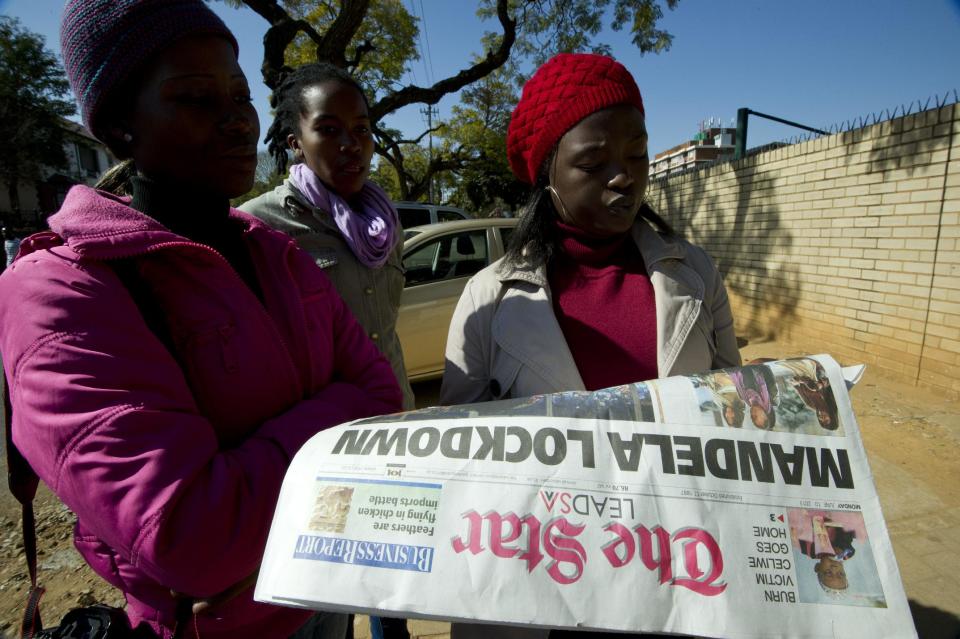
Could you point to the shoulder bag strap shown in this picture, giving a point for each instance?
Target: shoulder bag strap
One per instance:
(23, 484)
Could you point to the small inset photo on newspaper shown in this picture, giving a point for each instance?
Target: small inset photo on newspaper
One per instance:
(833, 558)
(792, 396)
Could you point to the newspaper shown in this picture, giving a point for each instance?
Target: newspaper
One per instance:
(737, 503)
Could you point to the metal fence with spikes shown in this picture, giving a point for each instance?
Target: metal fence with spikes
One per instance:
(935, 101)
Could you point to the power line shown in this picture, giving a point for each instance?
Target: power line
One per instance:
(425, 38)
(410, 70)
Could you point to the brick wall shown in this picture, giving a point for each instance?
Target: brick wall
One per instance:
(848, 244)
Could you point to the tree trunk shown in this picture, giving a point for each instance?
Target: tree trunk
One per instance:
(404, 189)
(13, 192)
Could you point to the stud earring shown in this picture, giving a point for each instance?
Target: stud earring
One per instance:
(128, 137)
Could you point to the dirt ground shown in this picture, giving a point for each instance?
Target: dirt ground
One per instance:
(912, 438)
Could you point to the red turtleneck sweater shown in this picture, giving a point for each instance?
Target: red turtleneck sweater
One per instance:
(604, 301)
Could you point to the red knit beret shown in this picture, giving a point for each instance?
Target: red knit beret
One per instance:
(566, 89)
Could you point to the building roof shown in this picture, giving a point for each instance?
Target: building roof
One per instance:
(78, 129)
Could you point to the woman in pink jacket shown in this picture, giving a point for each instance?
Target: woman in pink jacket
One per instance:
(167, 355)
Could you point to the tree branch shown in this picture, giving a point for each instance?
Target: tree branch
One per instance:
(284, 29)
(493, 60)
(420, 137)
(389, 149)
(454, 161)
(364, 48)
(384, 143)
(333, 45)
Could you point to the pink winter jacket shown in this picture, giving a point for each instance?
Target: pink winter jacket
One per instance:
(128, 437)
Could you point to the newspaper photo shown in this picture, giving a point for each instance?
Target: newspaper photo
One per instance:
(736, 503)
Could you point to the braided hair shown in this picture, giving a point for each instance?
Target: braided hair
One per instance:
(287, 101)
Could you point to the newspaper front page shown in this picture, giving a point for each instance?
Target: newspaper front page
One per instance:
(737, 503)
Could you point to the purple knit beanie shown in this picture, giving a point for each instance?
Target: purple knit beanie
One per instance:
(104, 42)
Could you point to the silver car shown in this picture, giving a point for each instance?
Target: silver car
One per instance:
(417, 213)
(439, 259)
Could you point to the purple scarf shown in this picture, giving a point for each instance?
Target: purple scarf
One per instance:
(750, 395)
(370, 232)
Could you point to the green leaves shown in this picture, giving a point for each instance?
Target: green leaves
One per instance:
(479, 126)
(33, 92)
(386, 41)
(377, 41)
(548, 27)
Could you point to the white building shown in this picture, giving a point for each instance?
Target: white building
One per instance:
(710, 145)
(87, 159)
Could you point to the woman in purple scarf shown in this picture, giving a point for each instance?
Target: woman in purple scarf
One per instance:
(344, 221)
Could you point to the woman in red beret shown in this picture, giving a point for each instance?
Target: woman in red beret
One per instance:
(596, 290)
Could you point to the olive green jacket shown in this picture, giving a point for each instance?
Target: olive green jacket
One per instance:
(372, 294)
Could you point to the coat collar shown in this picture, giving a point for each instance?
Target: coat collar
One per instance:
(102, 226)
(678, 288)
(654, 248)
(293, 200)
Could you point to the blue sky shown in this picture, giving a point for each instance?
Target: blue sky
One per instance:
(813, 61)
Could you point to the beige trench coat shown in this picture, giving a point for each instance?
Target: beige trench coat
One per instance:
(505, 341)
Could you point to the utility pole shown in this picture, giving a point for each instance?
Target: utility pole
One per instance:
(430, 111)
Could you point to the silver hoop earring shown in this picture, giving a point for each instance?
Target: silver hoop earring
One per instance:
(563, 208)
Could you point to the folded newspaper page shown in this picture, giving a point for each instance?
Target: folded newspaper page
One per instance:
(737, 503)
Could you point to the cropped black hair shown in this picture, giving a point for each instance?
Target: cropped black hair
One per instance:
(287, 101)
